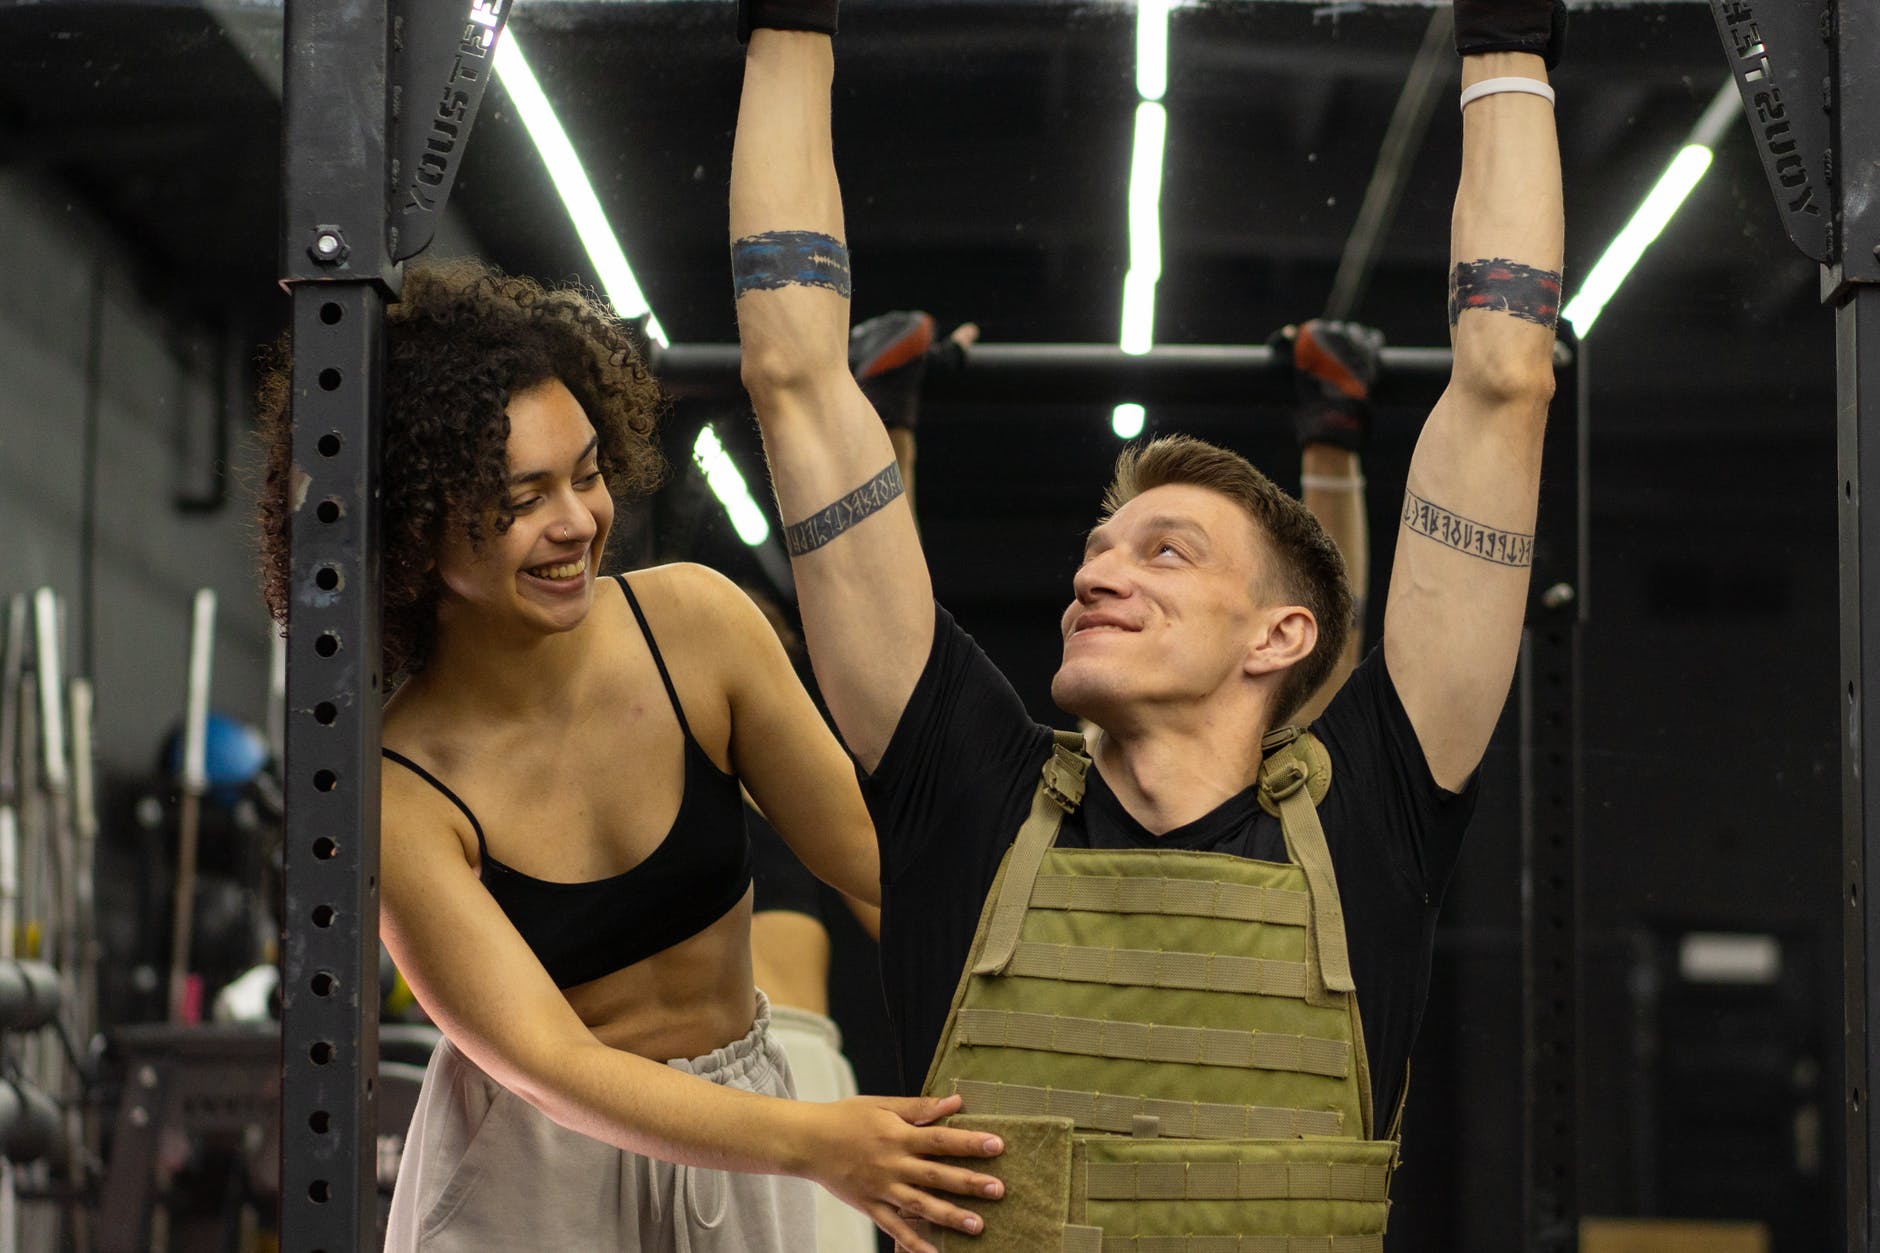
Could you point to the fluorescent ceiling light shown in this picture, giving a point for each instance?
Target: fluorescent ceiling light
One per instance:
(1152, 48)
(1686, 169)
(1145, 228)
(1660, 205)
(1145, 190)
(571, 181)
(1127, 420)
(1138, 312)
(721, 473)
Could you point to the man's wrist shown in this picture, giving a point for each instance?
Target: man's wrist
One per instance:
(1477, 66)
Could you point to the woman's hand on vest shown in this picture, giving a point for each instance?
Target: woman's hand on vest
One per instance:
(875, 1153)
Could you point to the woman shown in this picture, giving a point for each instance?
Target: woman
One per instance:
(565, 875)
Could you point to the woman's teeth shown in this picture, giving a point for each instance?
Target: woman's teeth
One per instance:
(567, 571)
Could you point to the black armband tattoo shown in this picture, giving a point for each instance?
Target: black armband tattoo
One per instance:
(1452, 530)
(825, 524)
(1503, 286)
(777, 259)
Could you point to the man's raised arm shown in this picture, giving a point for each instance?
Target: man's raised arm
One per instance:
(1458, 589)
(862, 583)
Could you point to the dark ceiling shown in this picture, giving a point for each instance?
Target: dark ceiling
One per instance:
(984, 151)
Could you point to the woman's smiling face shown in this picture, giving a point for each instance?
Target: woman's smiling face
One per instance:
(540, 570)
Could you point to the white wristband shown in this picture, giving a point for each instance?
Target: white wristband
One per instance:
(1489, 86)
(1331, 483)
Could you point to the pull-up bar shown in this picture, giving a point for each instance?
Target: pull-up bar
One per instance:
(1094, 373)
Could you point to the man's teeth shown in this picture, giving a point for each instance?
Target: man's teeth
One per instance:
(567, 571)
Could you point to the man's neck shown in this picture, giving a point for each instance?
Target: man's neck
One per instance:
(1166, 776)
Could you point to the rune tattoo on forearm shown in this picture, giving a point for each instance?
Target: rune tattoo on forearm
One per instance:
(825, 524)
(1452, 530)
(1503, 286)
(777, 259)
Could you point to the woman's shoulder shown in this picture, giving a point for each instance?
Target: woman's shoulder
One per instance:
(689, 596)
(680, 578)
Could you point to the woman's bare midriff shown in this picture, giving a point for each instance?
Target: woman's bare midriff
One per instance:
(684, 1001)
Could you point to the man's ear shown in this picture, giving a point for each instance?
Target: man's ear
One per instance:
(1290, 633)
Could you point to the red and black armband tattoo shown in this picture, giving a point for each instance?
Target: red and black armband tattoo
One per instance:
(1503, 286)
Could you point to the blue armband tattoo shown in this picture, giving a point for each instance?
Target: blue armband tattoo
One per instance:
(777, 259)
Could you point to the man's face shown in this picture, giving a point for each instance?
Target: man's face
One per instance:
(1165, 606)
(539, 574)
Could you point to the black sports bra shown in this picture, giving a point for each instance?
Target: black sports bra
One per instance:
(581, 931)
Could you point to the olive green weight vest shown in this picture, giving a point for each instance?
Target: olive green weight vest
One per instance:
(1168, 1041)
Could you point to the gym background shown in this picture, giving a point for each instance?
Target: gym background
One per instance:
(987, 155)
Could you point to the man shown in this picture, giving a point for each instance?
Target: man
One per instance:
(1208, 608)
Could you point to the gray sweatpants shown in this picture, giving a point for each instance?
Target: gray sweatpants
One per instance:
(484, 1171)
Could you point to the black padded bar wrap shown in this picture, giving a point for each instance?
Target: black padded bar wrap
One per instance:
(816, 15)
(1537, 26)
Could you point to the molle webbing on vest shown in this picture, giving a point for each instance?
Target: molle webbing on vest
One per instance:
(1146, 968)
(1060, 790)
(1235, 1181)
(1092, 1240)
(1188, 1120)
(1152, 1042)
(1183, 1023)
(1198, 898)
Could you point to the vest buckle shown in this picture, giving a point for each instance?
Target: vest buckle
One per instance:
(1283, 779)
(1063, 778)
(1279, 737)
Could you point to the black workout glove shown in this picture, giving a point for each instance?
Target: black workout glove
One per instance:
(1537, 26)
(817, 15)
(1333, 365)
(889, 356)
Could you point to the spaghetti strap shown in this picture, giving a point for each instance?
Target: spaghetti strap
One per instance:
(483, 849)
(652, 645)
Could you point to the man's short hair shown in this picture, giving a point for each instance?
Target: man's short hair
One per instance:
(1307, 568)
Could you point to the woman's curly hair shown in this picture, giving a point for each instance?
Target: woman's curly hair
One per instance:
(462, 340)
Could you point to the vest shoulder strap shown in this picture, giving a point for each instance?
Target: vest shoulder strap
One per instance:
(1295, 775)
(1060, 791)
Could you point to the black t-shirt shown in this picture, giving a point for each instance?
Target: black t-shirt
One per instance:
(957, 779)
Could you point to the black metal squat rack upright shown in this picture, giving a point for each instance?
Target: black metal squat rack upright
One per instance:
(378, 101)
(1810, 80)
